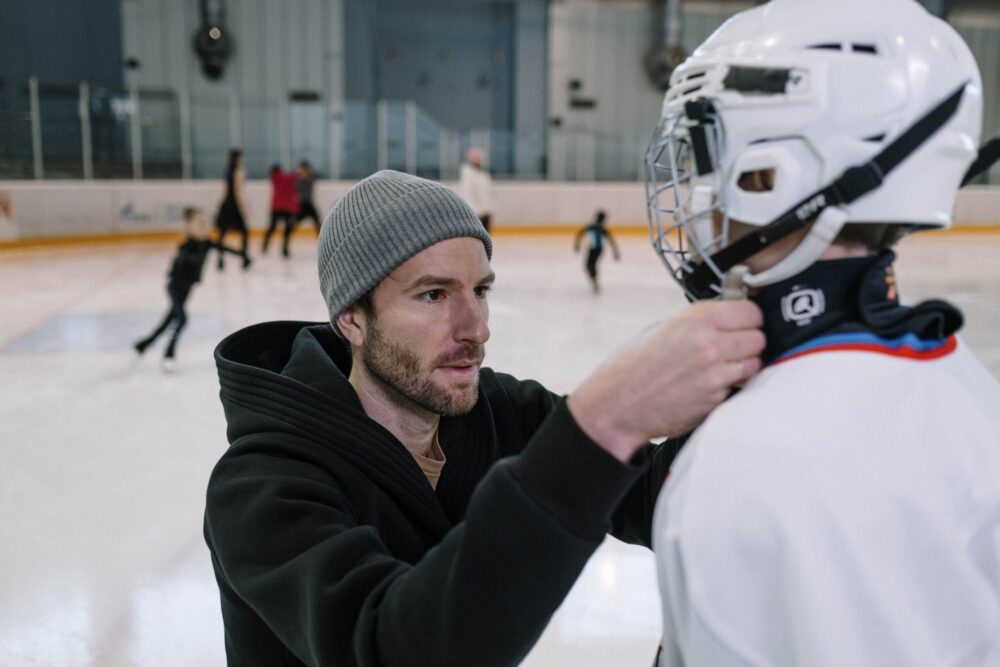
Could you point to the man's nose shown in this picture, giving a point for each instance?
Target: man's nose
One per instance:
(472, 320)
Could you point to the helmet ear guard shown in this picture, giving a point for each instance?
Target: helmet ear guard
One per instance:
(795, 169)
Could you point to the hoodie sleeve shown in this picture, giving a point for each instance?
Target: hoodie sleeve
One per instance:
(287, 543)
(632, 518)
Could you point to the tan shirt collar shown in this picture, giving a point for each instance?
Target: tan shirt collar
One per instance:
(432, 462)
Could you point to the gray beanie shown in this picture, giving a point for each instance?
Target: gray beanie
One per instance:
(379, 224)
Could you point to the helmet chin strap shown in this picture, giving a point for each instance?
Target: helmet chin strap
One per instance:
(823, 232)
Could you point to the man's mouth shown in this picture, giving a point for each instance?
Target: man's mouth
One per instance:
(462, 370)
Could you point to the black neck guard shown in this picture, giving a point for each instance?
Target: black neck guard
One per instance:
(847, 295)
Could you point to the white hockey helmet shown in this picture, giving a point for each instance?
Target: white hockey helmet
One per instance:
(862, 111)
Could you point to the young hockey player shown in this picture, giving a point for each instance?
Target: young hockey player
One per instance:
(844, 507)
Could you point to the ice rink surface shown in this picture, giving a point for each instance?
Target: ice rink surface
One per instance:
(106, 458)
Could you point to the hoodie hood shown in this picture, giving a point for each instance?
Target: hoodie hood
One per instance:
(296, 372)
(283, 386)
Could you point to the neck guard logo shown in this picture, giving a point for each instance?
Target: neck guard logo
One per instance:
(802, 305)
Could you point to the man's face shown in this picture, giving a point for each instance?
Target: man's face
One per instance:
(424, 339)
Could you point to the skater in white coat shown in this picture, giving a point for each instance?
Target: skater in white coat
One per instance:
(476, 186)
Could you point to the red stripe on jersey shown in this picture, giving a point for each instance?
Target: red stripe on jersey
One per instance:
(903, 351)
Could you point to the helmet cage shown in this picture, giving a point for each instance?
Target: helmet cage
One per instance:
(688, 223)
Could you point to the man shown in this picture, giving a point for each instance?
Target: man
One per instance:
(476, 186)
(362, 514)
(844, 507)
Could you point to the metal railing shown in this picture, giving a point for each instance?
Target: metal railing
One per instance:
(87, 132)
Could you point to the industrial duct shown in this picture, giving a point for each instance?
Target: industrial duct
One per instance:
(666, 53)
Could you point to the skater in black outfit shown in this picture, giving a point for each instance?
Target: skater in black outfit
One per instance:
(596, 233)
(304, 188)
(185, 271)
(232, 211)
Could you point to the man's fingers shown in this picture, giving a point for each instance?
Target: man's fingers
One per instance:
(746, 369)
(743, 344)
(731, 315)
(737, 372)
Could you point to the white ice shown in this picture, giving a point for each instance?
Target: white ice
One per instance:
(106, 458)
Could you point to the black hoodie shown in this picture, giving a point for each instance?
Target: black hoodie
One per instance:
(331, 548)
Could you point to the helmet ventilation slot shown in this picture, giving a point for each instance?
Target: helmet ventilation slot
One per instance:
(870, 49)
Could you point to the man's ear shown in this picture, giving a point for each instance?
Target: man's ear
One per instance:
(351, 322)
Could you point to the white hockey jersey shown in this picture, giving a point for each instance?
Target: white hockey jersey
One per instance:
(842, 510)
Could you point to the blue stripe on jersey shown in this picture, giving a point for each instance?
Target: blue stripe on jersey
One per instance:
(865, 338)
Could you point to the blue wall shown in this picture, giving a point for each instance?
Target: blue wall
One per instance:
(63, 43)
(454, 59)
(468, 67)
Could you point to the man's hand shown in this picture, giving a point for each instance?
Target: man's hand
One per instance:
(666, 382)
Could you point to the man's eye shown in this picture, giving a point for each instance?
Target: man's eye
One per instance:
(482, 290)
(432, 295)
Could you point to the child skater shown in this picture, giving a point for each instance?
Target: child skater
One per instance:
(185, 271)
(596, 233)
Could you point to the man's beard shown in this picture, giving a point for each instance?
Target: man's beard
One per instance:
(398, 369)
